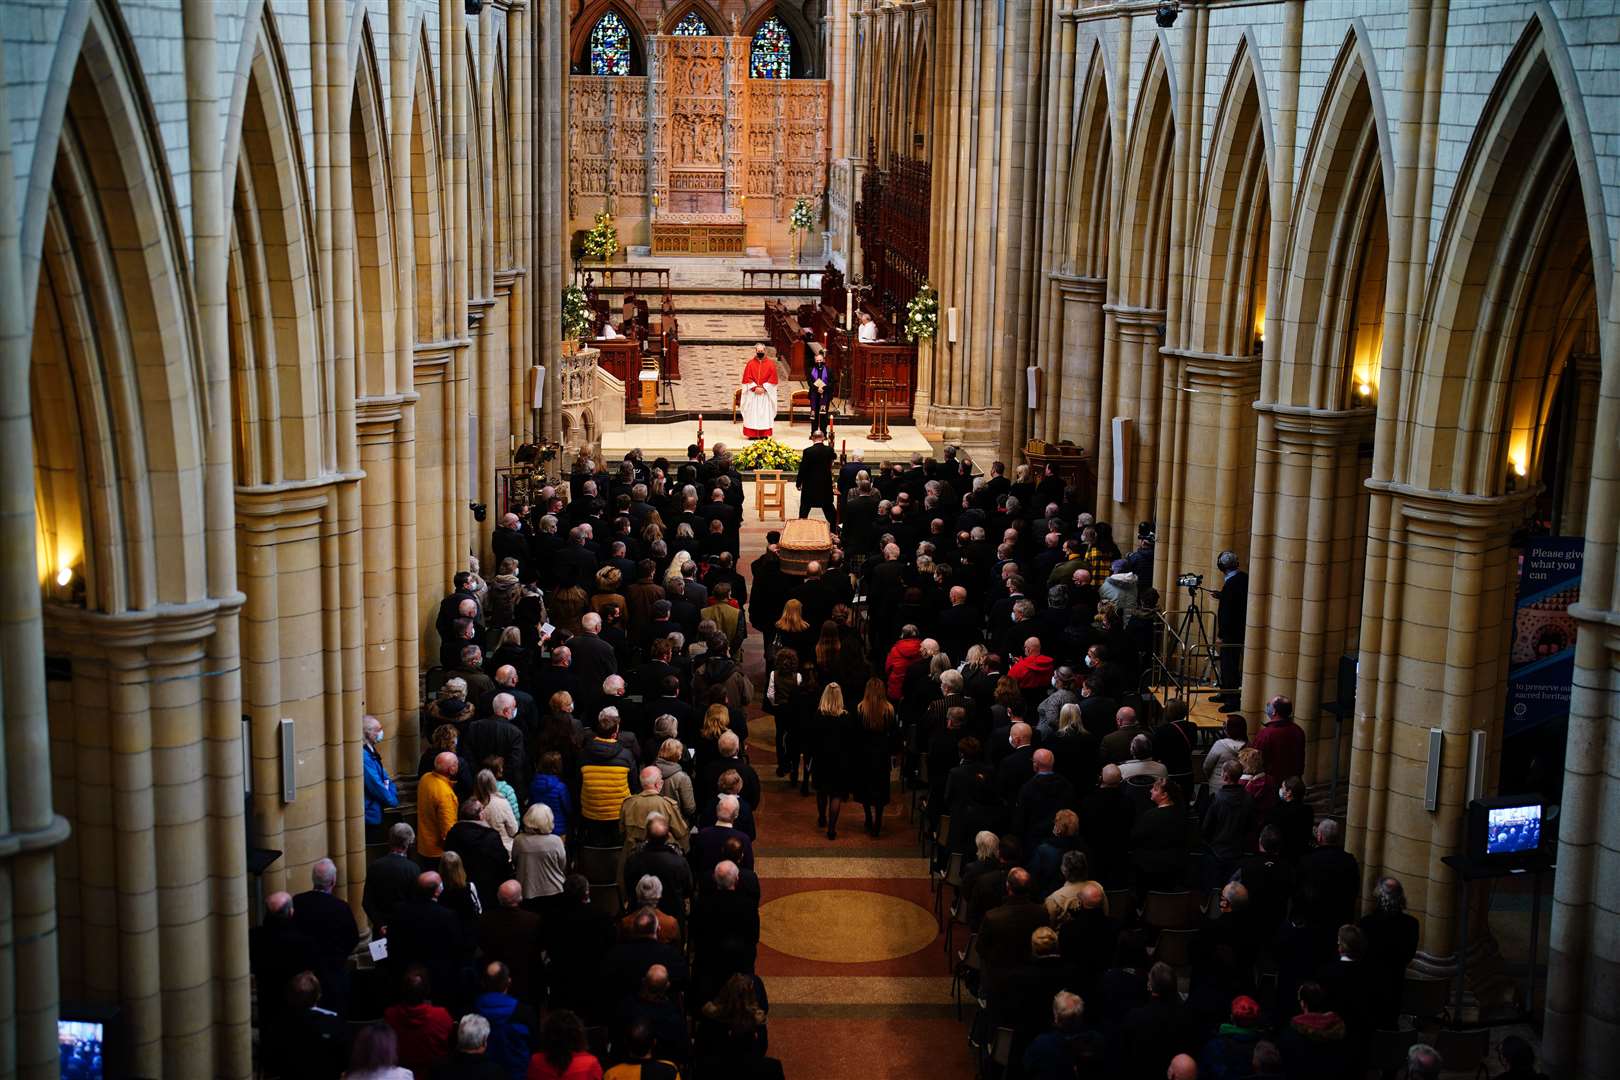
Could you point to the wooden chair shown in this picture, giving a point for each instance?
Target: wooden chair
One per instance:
(968, 965)
(736, 404)
(957, 916)
(1120, 901)
(1175, 948)
(600, 865)
(605, 898)
(1168, 910)
(799, 400)
(950, 878)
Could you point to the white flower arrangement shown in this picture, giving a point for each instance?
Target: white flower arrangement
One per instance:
(922, 314)
(802, 218)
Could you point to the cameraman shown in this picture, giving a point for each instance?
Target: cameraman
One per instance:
(1229, 619)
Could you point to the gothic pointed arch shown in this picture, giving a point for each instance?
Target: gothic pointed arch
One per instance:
(501, 214)
(1232, 229)
(1338, 260)
(1145, 217)
(118, 492)
(374, 260)
(1514, 284)
(1091, 180)
(282, 377)
(705, 12)
(608, 17)
(428, 201)
(798, 36)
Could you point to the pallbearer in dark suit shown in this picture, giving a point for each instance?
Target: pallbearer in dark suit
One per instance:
(1229, 619)
(819, 376)
(815, 479)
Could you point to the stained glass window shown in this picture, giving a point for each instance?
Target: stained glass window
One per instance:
(772, 53)
(692, 25)
(610, 46)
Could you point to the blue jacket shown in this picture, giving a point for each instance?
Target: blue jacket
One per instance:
(549, 789)
(509, 1039)
(380, 791)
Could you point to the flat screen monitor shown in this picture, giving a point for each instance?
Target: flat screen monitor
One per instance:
(80, 1049)
(1505, 829)
(1512, 830)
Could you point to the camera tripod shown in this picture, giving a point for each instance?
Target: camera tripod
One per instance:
(1198, 657)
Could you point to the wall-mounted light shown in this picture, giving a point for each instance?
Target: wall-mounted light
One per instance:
(64, 576)
(1518, 466)
(1364, 388)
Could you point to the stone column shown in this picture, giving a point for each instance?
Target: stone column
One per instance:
(1305, 562)
(548, 176)
(1434, 640)
(1079, 372)
(1051, 344)
(226, 859)
(1206, 462)
(1584, 369)
(1130, 387)
(134, 741)
(409, 592)
(989, 62)
(1583, 1016)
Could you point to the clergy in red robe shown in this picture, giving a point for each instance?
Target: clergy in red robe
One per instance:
(759, 395)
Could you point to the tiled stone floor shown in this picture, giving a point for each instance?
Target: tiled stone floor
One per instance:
(710, 374)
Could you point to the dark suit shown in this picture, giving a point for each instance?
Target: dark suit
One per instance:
(512, 936)
(1004, 940)
(484, 855)
(389, 880)
(815, 482)
(428, 933)
(497, 737)
(593, 661)
(1230, 616)
(959, 627)
(573, 565)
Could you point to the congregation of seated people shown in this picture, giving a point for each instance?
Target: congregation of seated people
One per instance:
(577, 896)
(573, 895)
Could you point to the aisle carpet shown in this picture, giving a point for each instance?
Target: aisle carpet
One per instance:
(850, 952)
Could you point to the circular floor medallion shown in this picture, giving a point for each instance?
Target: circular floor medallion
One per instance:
(845, 926)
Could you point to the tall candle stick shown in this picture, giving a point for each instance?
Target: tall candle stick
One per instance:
(849, 308)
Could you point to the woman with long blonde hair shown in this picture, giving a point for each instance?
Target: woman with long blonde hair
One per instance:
(879, 739)
(828, 734)
(716, 722)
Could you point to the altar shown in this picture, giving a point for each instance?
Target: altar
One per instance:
(696, 152)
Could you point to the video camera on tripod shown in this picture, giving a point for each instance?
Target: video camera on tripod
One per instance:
(1191, 582)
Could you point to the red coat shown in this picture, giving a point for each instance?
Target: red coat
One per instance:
(424, 1035)
(897, 664)
(1032, 672)
(1282, 744)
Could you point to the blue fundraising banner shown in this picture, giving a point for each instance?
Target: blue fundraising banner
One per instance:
(1542, 663)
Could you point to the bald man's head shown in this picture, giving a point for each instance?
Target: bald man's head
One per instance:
(1182, 1067)
(1043, 761)
(1111, 776)
(1021, 734)
(511, 894)
(447, 764)
(279, 905)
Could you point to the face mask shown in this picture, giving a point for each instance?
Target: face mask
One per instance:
(378, 738)
(1091, 661)
(1054, 682)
